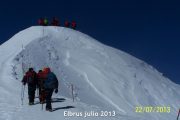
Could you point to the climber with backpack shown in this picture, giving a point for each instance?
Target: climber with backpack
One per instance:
(73, 25)
(66, 24)
(45, 22)
(31, 79)
(41, 21)
(50, 84)
(55, 22)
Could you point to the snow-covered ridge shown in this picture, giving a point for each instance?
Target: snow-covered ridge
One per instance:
(104, 77)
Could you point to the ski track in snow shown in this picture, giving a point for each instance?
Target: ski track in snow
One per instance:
(67, 58)
(91, 84)
(103, 96)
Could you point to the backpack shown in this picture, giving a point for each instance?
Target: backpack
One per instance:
(45, 22)
(40, 79)
(51, 81)
(30, 77)
(67, 24)
(73, 24)
(40, 21)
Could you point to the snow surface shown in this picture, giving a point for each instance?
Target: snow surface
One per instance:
(104, 78)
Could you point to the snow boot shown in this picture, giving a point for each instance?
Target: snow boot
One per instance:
(31, 103)
(48, 109)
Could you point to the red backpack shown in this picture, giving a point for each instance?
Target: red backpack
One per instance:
(73, 24)
(55, 22)
(66, 23)
(40, 21)
(31, 77)
(41, 78)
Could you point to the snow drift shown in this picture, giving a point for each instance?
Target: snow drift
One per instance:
(104, 78)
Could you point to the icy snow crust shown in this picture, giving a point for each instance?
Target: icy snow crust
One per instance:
(104, 78)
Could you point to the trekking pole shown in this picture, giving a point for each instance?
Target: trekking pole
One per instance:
(43, 31)
(22, 93)
(42, 98)
(42, 105)
(178, 114)
(37, 93)
(72, 90)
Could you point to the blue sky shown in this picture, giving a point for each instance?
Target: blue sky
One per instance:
(149, 30)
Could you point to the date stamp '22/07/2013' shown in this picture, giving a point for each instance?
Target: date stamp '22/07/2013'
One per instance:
(152, 109)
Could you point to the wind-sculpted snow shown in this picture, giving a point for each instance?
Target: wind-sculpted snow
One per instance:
(103, 78)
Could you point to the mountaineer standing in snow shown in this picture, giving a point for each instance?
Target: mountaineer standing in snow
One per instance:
(50, 84)
(73, 25)
(45, 22)
(41, 21)
(55, 22)
(31, 79)
(66, 24)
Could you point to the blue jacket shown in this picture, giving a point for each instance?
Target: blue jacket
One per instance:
(51, 82)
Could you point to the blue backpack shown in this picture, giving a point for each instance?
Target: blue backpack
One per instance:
(51, 81)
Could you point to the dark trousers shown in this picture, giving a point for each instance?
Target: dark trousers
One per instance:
(40, 93)
(49, 93)
(31, 93)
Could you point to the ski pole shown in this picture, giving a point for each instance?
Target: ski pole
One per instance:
(178, 114)
(37, 93)
(22, 93)
(42, 105)
(72, 89)
(42, 97)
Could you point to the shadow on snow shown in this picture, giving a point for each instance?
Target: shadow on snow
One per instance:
(60, 108)
(53, 100)
(57, 100)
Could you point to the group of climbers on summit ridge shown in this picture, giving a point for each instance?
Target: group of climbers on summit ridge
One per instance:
(46, 81)
(55, 22)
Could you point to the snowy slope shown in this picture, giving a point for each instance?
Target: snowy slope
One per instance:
(104, 78)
